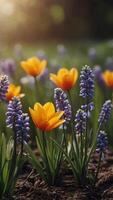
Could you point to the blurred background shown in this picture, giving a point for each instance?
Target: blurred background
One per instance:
(32, 20)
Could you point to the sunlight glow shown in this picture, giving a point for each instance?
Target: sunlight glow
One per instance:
(6, 7)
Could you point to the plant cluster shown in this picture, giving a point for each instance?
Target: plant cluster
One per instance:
(74, 141)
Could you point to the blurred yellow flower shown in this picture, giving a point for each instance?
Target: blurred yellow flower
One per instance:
(45, 117)
(33, 66)
(108, 78)
(13, 91)
(65, 78)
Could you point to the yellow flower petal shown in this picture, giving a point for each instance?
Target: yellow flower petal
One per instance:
(55, 125)
(45, 117)
(55, 79)
(65, 78)
(62, 71)
(38, 120)
(49, 109)
(33, 66)
(13, 91)
(41, 112)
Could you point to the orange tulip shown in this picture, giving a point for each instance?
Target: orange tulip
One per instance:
(45, 117)
(33, 66)
(13, 91)
(108, 78)
(65, 78)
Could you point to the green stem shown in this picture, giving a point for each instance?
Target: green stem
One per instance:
(46, 157)
(36, 89)
(15, 145)
(98, 167)
(22, 145)
(81, 137)
(86, 133)
(72, 125)
(65, 139)
(69, 94)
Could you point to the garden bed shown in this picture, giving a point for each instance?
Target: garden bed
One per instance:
(31, 187)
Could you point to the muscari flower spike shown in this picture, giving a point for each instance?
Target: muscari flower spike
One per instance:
(105, 112)
(87, 82)
(17, 120)
(23, 128)
(88, 108)
(4, 84)
(80, 120)
(102, 141)
(62, 103)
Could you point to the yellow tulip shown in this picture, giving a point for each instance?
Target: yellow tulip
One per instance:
(33, 66)
(13, 91)
(65, 78)
(108, 78)
(45, 117)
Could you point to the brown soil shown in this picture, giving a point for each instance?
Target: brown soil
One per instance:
(31, 187)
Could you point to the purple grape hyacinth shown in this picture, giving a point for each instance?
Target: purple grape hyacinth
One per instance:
(4, 84)
(87, 82)
(102, 141)
(98, 76)
(8, 66)
(80, 120)
(88, 108)
(22, 128)
(17, 120)
(105, 112)
(62, 103)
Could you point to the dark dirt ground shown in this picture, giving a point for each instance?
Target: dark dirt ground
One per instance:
(31, 187)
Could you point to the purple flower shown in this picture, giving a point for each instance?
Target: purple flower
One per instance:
(62, 50)
(8, 66)
(41, 55)
(80, 120)
(105, 112)
(45, 76)
(109, 63)
(102, 141)
(62, 103)
(23, 128)
(92, 54)
(4, 84)
(87, 82)
(98, 75)
(88, 108)
(18, 51)
(54, 67)
(17, 120)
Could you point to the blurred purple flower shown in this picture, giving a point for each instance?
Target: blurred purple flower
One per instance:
(62, 50)
(98, 75)
(18, 51)
(4, 84)
(8, 66)
(92, 54)
(109, 63)
(45, 76)
(54, 66)
(41, 55)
